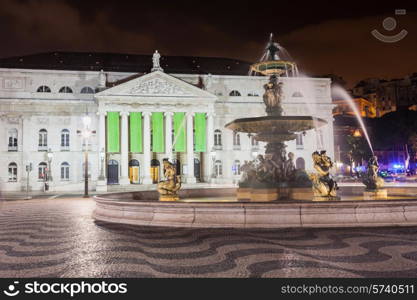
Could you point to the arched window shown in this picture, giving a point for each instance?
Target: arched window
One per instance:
(218, 168)
(43, 140)
(299, 141)
(297, 95)
(65, 139)
(42, 171)
(65, 89)
(234, 93)
(65, 171)
(217, 138)
(43, 89)
(300, 163)
(254, 142)
(12, 141)
(87, 90)
(236, 167)
(236, 139)
(12, 172)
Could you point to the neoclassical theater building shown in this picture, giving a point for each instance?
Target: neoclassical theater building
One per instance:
(140, 114)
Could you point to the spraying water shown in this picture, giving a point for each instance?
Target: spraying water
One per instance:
(275, 60)
(341, 92)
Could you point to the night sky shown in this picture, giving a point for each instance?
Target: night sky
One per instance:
(322, 36)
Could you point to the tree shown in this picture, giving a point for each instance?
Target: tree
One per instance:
(412, 150)
(358, 150)
(397, 129)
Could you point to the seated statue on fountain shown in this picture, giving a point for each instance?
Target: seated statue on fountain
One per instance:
(323, 185)
(268, 171)
(168, 189)
(371, 179)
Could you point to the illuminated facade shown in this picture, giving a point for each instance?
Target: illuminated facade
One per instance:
(366, 108)
(138, 119)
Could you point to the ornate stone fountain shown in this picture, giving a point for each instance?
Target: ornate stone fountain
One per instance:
(274, 176)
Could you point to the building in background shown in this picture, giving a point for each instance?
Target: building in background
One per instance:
(140, 114)
(366, 108)
(388, 95)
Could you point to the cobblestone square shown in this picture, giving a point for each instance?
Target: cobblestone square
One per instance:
(58, 238)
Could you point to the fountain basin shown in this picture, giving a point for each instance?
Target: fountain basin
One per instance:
(142, 208)
(275, 128)
(375, 194)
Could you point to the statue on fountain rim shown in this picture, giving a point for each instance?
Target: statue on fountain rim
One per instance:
(168, 189)
(323, 184)
(371, 179)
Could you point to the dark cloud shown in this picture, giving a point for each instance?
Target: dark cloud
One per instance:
(324, 36)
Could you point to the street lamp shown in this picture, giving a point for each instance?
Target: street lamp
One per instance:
(86, 133)
(213, 158)
(102, 156)
(50, 156)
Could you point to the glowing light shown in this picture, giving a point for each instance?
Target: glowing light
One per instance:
(357, 133)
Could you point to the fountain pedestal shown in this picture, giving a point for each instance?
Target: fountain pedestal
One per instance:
(378, 194)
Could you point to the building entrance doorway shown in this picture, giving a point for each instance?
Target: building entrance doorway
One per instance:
(113, 172)
(197, 169)
(155, 165)
(134, 173)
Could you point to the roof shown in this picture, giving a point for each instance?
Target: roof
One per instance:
(132, 63)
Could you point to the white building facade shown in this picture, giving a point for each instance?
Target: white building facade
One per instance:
(137, 121)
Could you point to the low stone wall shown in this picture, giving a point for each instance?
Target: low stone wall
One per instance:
(252, 215)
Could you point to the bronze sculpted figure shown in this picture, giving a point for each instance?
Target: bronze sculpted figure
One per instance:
(371, 179)
(168, 189)
(289, 167)
(272, 96)
(323, 184)
(248, 172)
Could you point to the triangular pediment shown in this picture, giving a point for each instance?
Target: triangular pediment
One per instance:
(156, 84)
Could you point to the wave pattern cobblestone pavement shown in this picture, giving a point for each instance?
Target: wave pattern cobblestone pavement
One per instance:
(58, 238)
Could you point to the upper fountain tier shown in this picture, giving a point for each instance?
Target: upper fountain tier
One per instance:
(275, 61)
(273, 129)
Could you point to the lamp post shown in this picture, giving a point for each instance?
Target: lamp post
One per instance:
(50, 156)
(86, 133)
(102, 156)
(29, 168)
(213, 158)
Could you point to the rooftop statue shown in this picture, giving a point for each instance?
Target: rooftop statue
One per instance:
(102, 79)
(155, 62)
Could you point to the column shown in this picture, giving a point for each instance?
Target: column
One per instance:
(168, 135)
(208, 170)
(101, 146)
(190, 148)
(124, 150)
(146, 148)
